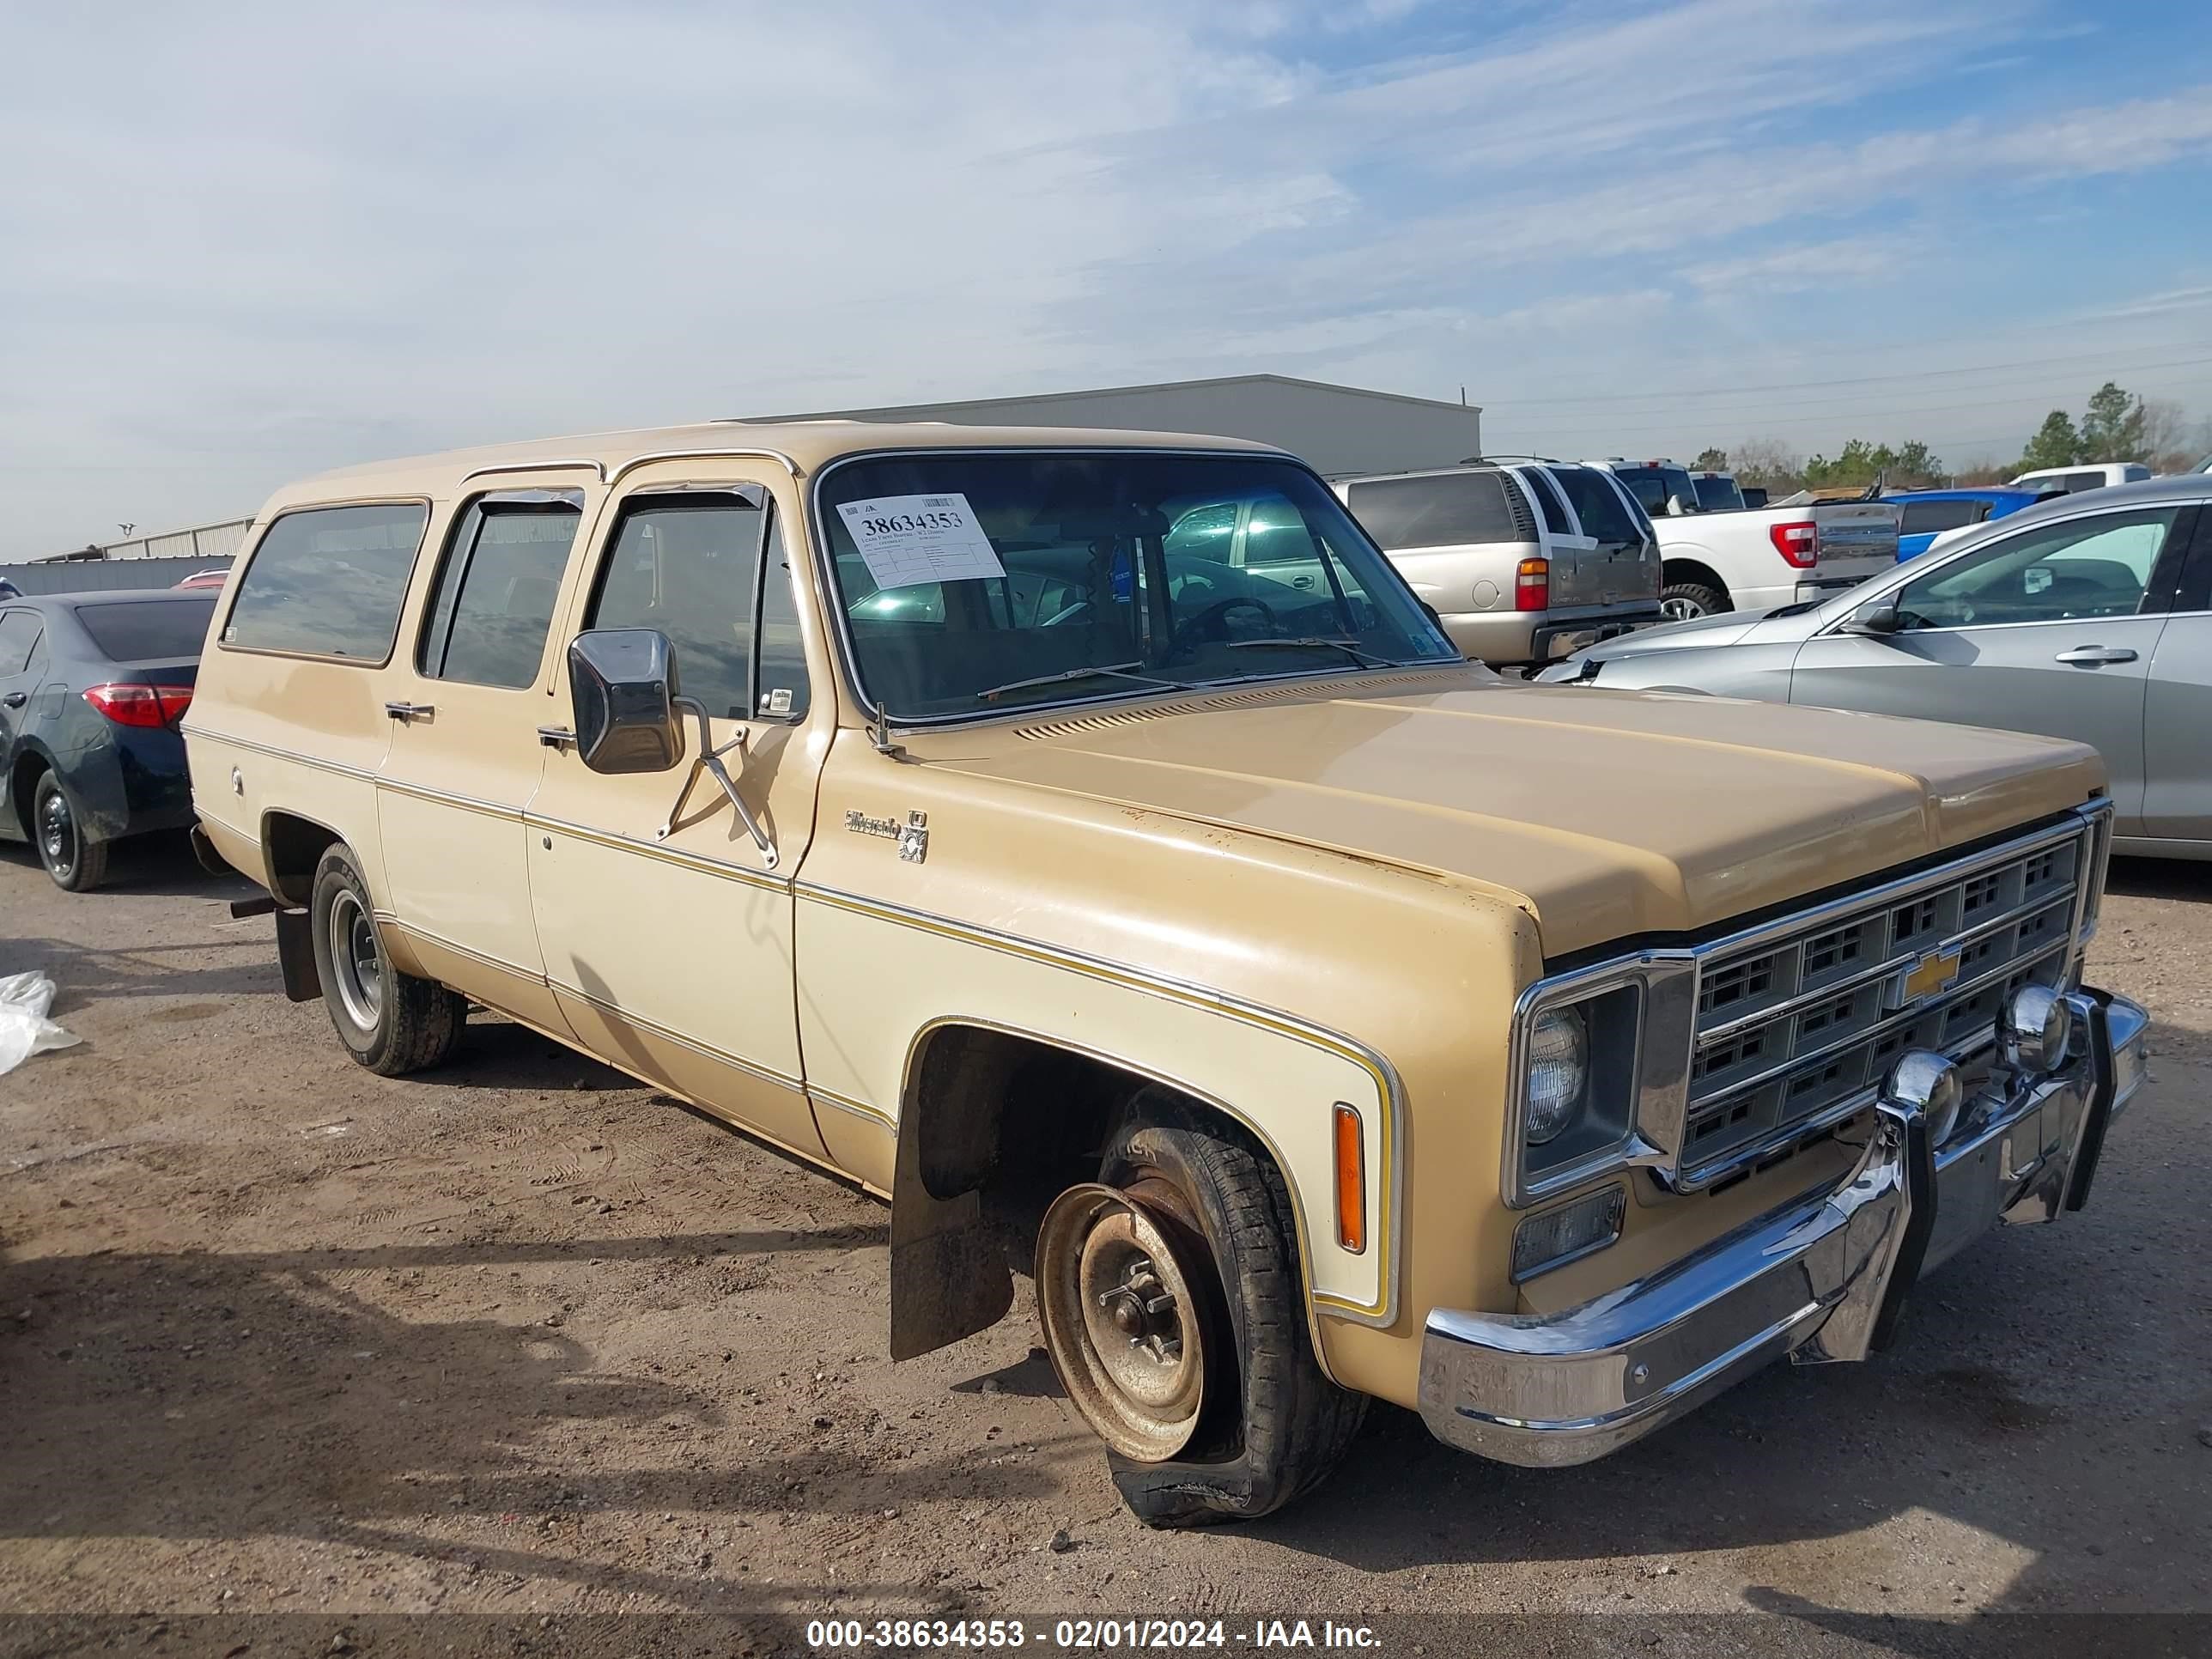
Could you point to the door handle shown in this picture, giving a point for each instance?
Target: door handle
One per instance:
(2092, 654)
(410, 711)
(16, 699)
(1302, 581)
(556, 737)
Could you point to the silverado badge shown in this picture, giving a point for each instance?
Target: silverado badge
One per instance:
(912, 836)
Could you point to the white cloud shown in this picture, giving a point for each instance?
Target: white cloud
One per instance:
(280, 238)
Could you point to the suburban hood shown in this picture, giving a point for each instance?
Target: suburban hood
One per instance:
(1611, 814)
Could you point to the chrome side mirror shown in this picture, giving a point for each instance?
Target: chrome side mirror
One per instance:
(1876, 619)
(622, 683)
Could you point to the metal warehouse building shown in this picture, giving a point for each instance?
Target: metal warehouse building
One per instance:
(1339, 428)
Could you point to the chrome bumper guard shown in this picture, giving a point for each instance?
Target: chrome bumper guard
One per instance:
(1822, 1279)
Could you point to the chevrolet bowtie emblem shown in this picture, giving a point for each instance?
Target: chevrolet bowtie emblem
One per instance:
(1929, 975)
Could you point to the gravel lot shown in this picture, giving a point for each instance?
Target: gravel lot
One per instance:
(520, 1356)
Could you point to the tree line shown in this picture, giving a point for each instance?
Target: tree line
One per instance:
(2115, 425)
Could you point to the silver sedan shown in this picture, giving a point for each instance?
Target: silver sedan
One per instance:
(2089, 617)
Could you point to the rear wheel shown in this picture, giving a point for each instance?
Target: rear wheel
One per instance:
(1680, 601)
(75, 861)
(1174, 1313)
(391, 1022)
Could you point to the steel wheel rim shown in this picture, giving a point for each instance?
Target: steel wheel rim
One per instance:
(1681, 609)
(1122, 1320)
(57, 833)
(356, 963)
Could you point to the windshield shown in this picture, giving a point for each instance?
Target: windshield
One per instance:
(976, 582)
(1718, 494)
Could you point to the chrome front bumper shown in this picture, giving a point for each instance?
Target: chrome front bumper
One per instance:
(1821, 1279)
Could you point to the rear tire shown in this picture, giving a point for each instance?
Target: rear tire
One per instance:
(76, 862)
(1679, 601)
(391, 1022)
(1273, 1426)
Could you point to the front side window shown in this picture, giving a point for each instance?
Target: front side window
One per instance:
(692, 565)
(973, 583)
(328, 581)
(2087, 568)
(497, 587)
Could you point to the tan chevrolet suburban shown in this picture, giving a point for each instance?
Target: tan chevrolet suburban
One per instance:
(1311, 1014)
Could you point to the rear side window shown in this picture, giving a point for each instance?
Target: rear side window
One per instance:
(19, 633)
(328, 582)
(496, 589)
(1444, 511)
(1924, 518)
(1597, 504)
(1554, 505)
(141, 630)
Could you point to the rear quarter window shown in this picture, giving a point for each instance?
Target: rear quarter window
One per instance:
(328, 581)
(1597, 504)
(142, 630)
(1447, 510)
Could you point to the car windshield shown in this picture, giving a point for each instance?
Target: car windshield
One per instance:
(974, 582)
(140, 630)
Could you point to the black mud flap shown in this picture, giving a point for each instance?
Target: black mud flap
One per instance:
(949, 1272)
(296, 955)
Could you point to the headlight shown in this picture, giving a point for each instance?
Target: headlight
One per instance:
(1559, 1071)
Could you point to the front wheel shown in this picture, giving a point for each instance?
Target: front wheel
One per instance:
(76, 861)
(1680, 601)
(1175, 1314)
(391, 1022)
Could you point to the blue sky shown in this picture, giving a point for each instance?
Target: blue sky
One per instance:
(246, 242)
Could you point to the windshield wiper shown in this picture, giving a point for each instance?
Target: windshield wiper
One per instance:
(1349, 647)
(1118, 670)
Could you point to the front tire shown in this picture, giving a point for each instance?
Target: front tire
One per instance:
(1270, 1425)
(73, 858)
(391, 1022)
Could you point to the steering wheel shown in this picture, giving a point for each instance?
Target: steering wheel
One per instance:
(1204, 624)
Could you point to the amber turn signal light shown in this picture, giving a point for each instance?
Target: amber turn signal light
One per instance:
(1350, 1180)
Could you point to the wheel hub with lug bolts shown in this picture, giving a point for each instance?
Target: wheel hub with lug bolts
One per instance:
(1121, 1321)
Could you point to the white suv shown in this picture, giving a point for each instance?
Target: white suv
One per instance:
(1523, 562)
(2075, 479)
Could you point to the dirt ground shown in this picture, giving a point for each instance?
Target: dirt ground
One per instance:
(519, 1355)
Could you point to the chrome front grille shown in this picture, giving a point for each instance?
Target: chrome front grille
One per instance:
(1798, 1022)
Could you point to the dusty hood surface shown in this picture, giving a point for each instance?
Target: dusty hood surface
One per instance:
(1614, 813)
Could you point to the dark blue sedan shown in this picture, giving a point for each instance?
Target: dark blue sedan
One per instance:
(92, 687)
(1928, 514)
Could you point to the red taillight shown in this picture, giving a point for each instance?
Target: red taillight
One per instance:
(1532, 584)
(150, 706)
(1798, 544)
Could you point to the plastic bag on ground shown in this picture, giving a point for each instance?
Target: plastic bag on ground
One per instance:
(24, 1028)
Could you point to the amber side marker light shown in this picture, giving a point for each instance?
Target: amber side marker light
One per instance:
(1350, 1180)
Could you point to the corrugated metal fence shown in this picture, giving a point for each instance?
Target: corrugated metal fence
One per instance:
(207, 541)
(101, 575)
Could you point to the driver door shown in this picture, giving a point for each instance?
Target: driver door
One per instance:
(668, 946)
(2049, 631)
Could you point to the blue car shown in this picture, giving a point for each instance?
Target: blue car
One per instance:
(1927, 514)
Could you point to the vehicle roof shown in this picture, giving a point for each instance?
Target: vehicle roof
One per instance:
(1502, 463)
(808, 446)
(46, 602)
(2144, 492)
(1960, 493)
(2079, 466)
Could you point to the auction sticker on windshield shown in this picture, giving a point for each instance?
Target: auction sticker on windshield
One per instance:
(906, 540)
